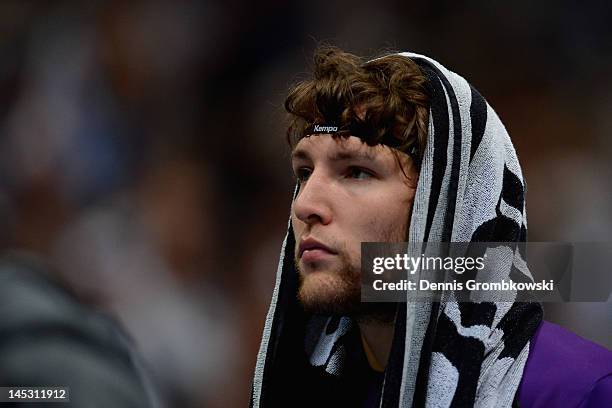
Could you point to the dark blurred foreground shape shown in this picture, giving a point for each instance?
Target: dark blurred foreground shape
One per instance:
(49, 338)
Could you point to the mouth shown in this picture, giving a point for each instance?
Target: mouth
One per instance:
(311, 250)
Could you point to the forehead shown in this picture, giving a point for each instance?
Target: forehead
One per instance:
(338, 148)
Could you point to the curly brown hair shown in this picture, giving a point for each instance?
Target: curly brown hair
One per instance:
(383, 100)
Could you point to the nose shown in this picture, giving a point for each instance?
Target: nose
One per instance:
(313, 202)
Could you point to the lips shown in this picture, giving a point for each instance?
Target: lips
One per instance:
(312, 246)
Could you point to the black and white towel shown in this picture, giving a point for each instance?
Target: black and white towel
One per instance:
(446, 353)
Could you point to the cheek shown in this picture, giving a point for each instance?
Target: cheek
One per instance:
(385, 217)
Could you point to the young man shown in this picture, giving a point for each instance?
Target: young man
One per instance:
(401, 149)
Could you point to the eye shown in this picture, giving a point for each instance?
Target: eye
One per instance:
(302, 174)
(359, 173)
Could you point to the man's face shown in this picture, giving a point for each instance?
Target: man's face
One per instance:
(349, 193)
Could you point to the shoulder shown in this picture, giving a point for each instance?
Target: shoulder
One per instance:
(564, 369)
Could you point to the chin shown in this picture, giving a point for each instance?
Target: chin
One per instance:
(323, 292)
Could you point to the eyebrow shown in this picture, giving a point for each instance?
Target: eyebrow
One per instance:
(300, 154)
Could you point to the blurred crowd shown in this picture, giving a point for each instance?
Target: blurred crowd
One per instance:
(142, 150)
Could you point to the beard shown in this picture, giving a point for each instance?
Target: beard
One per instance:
(336, 291)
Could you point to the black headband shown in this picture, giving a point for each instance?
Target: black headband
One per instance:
(360, 130)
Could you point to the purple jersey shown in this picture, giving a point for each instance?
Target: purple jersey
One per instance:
(565, 370)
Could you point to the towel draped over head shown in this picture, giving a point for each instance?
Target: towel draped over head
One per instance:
(444, 353)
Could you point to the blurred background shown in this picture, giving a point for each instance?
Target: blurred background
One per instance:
(142, 150)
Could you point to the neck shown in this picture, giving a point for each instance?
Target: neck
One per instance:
(378, 337)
